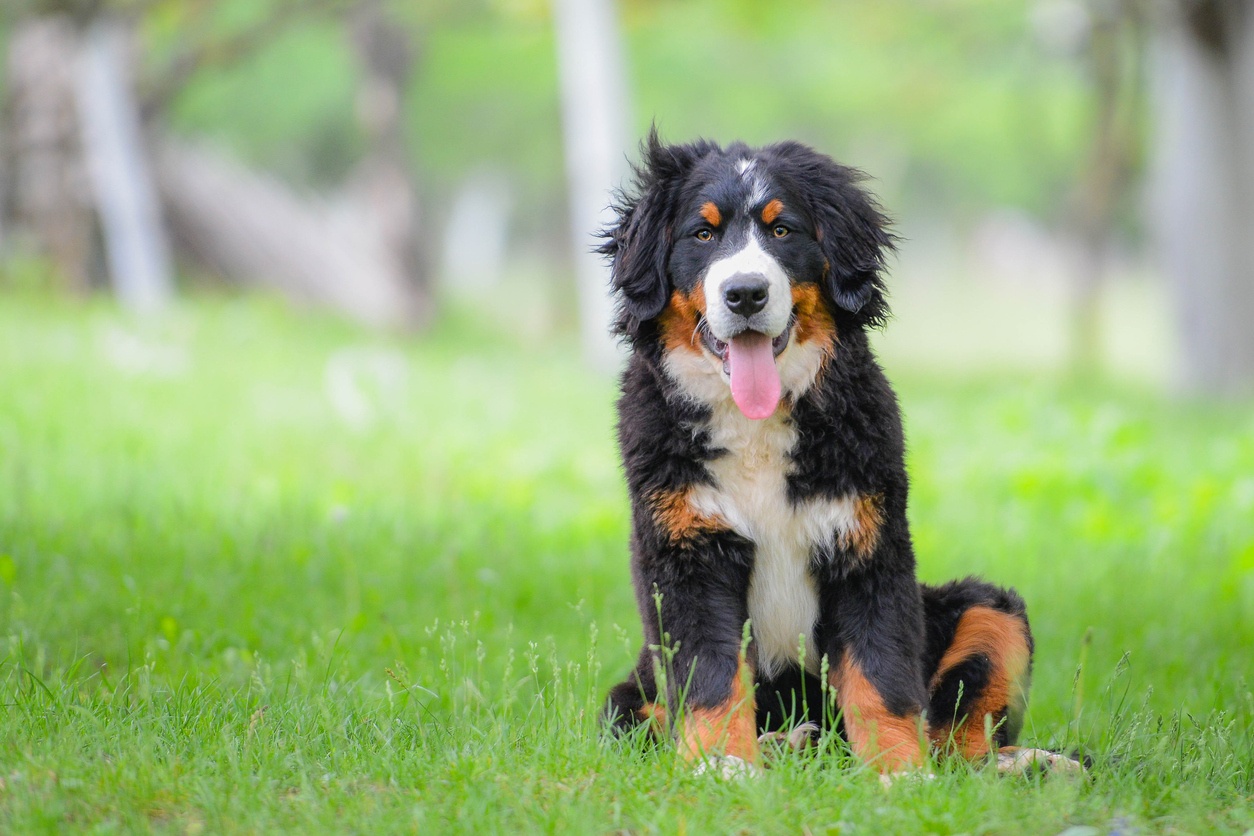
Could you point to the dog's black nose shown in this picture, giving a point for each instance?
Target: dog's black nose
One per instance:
(745, 295)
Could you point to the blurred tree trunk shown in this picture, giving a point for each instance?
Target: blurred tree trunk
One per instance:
(76, 161)
(594, 122)
(117, 160)
(75, 156)
(385, 180)
(1204, 196)
(1115, 65)
(48, 198)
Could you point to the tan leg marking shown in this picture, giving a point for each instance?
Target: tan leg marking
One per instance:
(875, 734)
(1000, 637)
(655, 716)
(727, 729)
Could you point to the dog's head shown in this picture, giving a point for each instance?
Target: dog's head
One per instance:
(744, 265)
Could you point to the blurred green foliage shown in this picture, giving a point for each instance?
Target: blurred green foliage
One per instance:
(947, 103)
(956, 98)
(288, 107)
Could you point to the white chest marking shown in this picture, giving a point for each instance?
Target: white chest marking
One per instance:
(750, 493)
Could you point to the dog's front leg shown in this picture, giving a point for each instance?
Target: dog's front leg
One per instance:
(699, 597)
(871, 629)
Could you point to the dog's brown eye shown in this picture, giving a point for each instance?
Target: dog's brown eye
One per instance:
(781, 231)
(704, 235)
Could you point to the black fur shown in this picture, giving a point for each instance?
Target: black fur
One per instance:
(639, 243)
(849, 442)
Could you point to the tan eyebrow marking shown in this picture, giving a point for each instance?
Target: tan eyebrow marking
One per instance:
(711, 214)
(771, 211)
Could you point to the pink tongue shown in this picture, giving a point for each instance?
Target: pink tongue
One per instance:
(754, 379)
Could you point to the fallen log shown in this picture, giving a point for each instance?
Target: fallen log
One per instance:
(254, 229)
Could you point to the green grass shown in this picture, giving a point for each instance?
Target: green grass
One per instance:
(235, 599)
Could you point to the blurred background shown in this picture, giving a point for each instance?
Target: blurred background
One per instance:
(1073, 180)
(304, 358)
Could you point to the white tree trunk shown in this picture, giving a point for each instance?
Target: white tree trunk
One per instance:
(126, 199)
(1204, 196)
(594, 122)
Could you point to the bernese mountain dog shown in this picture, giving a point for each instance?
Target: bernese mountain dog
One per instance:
(763, 451)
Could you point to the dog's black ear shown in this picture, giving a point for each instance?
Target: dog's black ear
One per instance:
(853, 233)
(639, 241)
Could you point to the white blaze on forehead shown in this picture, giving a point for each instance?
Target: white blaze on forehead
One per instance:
(749, 260)
(757, 187)
(757, 195)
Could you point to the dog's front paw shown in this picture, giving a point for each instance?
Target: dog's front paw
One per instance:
(727, 767)
(1016, 761)
(906, 776)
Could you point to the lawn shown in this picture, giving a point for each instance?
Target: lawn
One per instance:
(262, 571)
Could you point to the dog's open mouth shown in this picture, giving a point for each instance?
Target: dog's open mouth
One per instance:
(719, 348)
(749, 363)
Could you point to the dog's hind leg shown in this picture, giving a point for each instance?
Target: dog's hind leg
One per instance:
(978, 664)
(1017, 760)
